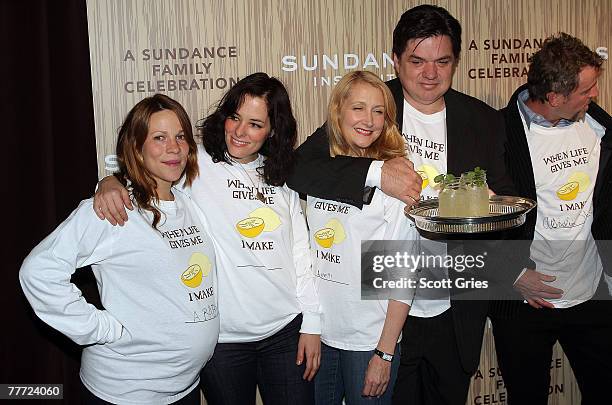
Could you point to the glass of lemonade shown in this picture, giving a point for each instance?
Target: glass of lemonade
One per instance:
(477, 201)
(452, 200)
(477, 194)
(467, 196)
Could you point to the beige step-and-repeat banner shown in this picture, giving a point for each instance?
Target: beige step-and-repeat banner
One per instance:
(194, 50)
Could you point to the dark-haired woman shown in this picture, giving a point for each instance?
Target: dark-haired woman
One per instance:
(270, 321)
(149, 343)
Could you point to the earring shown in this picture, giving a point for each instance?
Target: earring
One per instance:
(271, 134)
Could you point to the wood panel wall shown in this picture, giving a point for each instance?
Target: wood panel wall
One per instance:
(217, 42)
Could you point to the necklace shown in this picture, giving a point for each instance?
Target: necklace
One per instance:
(259, 195)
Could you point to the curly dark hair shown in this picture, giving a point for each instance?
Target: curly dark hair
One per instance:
(555, 67)
(132, 135)
(426, 21)
(278, 147)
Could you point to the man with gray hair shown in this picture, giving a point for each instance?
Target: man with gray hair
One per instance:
(558, 152)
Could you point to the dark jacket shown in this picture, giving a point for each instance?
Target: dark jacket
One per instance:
(518, 161)
(475, 137)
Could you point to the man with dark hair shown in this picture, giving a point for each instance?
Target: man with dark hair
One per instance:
(445, 131)
(558, 152)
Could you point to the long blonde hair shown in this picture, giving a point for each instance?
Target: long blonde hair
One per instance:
(389, 144)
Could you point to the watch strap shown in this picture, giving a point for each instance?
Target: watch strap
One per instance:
(385, 356)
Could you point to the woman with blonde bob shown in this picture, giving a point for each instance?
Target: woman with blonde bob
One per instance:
(359, 338)
(388, 145)
(149, 343)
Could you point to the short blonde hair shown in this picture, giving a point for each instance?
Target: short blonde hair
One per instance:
(389, 144)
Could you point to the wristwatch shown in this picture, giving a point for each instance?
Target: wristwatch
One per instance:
(383, 355)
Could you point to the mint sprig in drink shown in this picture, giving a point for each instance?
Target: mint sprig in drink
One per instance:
(466, 196)
(477, 197)
(452, 196)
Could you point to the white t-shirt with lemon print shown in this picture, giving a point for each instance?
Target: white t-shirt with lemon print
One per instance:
(565, 164)
(158, 287)
(265, 270)
(425, 137)
(336, 233)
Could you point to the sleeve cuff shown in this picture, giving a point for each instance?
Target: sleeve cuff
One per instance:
(520, 275)
(311, 323)
(114, 328)
(407, 302)
(608, 280)
(374, 173)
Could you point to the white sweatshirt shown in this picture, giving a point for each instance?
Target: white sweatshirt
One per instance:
(565, 165)
(265, 271)
(336, 233)
(160, 323)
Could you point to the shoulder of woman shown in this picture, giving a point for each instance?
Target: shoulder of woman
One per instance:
(84, 220)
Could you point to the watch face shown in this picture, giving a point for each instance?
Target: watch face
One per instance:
(383, 355)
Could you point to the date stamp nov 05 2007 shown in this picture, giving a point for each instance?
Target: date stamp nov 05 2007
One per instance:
(31, 391)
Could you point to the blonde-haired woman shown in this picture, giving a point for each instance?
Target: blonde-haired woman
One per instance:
(359, 358)
(388, 142)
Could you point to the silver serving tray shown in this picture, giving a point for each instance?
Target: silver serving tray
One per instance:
(505, 212)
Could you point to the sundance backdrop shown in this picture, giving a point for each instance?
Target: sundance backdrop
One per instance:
(194, 50)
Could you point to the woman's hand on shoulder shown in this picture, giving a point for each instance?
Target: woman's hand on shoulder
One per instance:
(309, 349)
(110, 201)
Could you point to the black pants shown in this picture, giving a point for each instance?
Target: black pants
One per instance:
(88, 398)
(230, 377)
(524, 350)
(430, 371)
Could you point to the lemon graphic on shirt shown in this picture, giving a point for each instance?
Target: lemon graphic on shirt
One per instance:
(324, 237)
(203, 261)
(430, 174)
(339, 234)
(192, 277)
(199, 267)
(263, 219)
(270, 218)
(568, 191)
(582, 179)
(250, 227)
(332, 234)
(425, 179)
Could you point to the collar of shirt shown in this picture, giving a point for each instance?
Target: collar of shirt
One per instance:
(531, 117)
